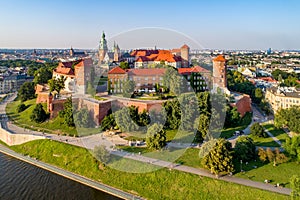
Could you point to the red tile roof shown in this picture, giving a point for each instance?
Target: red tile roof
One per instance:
(196, 69)
(66, 68)
(117, 70)
(185, 47)
(220, 58)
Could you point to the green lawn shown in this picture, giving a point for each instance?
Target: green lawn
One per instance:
(278, 174)
(279, 133)
(265, 142)
(55, 125)
(175, 135)
(229, 132)
(160, 184)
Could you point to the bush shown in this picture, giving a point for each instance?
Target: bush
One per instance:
(21, 107)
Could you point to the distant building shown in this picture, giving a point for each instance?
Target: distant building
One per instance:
(282, 97)
(145, 79)
(242, 102)
(12, 83)
(106, 56)
(78, 54)
(177, 58)
(219, 74)
(102, 48)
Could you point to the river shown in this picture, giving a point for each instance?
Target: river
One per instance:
(20, 180)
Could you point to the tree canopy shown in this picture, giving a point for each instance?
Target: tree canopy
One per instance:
(83, 119)
(289, 117)
(57, 84)
(219, 159)
(156, 137)
(257, 130)
(38, 114)
(245, 148)
(26, 91)
(128, 88)
(292, 147)
(67, 112)
(42, 75)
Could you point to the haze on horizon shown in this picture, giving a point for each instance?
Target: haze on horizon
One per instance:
(212, 25)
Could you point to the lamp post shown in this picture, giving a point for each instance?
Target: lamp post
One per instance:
(241, 165)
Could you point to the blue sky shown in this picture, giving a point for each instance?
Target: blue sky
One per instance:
(213, 24)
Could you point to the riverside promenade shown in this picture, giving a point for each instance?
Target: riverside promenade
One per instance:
(75, 177)
(89, 142)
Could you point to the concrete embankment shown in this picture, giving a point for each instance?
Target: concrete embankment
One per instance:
(16, 138)
(75, 177)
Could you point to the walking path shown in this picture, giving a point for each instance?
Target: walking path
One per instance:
(90, 142)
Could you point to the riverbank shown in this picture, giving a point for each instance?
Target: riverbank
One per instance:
(160, 184)
(75, 177)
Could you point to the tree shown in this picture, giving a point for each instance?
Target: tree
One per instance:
(233, 117)
(83, 119)
(172, 81)
(38, 114)
(219, 159)
(21, 107)
(42, 75)
(124, 120)
(26, 91)
(156, 137)
(245, 149)
(202, 128)
(124, 65)
(173, 113)
(292, 147)
(90, 89)
(67, 113)
(274, 156)
(101, 154)
(257, 130)
(57, 84)
(108, 122)
(128, 88)
(262, 154)
(258, 95)
(295, 185)
(288, 117)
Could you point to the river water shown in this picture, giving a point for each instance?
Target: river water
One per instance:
(20, 180)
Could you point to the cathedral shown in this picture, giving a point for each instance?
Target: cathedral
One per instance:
(106, 56)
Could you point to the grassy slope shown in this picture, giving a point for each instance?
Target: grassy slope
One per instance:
(161, 184)
(279, 174)
(54, 126)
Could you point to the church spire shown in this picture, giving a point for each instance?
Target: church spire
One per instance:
(103, 42)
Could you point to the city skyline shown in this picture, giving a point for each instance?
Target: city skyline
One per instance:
(211, 25)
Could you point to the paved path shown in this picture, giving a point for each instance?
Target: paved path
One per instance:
(90, 142)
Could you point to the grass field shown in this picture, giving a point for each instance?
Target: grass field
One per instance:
(265, 142)
(278, 174)
(55, 125)
(160, 184)
(279, 133)
(229, 132)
